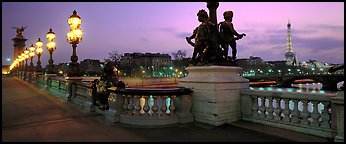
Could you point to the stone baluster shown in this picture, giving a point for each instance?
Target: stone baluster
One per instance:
(163, 106)
(172, 106)
(325, 115)
(146, 107)
(262, 107)
(277, 109)
(295, 112)
(315, 114)
(137, 105)
(254, 107)
(270, 108)
(304, 114)
(155, 107)
(286, 110)
(130, 105)
(59, 84)
(125, 103)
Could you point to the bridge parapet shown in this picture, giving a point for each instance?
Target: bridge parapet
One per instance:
(306, 113)
(135, 106)
(329, 81)
(149, 107)
(315, 114)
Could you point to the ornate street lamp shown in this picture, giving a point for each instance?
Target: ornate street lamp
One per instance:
(51, 46)
(74, 36)
(19, 58)
(26, 57)
(39, 52)
(16, 65)
(31, 55)
(23, 60)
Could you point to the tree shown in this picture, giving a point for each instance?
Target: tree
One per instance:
(179, 55)
(114, 57)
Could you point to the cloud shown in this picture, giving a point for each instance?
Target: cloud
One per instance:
(173, 32)
(182, 35)
(144, 39)
(167, 29)
(321, 44)
(334, 28)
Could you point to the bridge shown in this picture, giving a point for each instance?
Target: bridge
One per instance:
(294, 114)
(329, 81)
(46, 117)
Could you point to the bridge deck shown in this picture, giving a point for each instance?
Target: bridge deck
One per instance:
(31, 114)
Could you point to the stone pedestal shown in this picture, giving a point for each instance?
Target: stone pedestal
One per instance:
(48, 79)
(71, 93)
(216, 93)
(338, 116)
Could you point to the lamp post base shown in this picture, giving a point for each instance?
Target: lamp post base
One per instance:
(74, 70)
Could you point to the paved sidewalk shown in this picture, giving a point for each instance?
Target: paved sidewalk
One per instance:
(32, 115)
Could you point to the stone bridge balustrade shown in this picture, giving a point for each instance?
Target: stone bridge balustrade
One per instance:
(40, 81)
(306, 113)
(150, 107)
(338, 117)
(329, 81)
(82, 93)
(315, 114)
(163, 106)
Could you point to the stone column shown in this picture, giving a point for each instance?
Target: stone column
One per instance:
(338, 116)
(184, 104)
(36, 74)
(71, 91)
(18, 45)
(216, 93)
(48, 80)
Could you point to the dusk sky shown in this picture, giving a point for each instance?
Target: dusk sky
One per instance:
(127, 27)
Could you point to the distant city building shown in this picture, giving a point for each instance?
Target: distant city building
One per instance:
(62, 68)
(290, 55)
(146, 64)
(252, 65)
(91, 67)
(255, 66)
(180, 67)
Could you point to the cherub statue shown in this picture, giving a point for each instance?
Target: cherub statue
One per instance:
(227, 35)
(200, 34)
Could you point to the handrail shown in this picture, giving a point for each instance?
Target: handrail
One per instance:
(154, 91)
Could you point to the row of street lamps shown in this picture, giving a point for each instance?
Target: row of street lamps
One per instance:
(73, 37)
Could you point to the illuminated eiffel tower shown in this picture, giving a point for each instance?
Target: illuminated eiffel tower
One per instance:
(290, 56)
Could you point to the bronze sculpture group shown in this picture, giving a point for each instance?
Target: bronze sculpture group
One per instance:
(19, 31)
(100, 92)
(212, 41)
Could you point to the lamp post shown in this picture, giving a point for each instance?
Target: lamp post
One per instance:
(26, 56)
(17, 66)
(23, 60)
(51, 46)
(19, 58)
(27, 69)
(74, 36)
(39, 52)
(31, 55)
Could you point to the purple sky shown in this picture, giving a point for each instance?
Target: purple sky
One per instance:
(317, 28)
